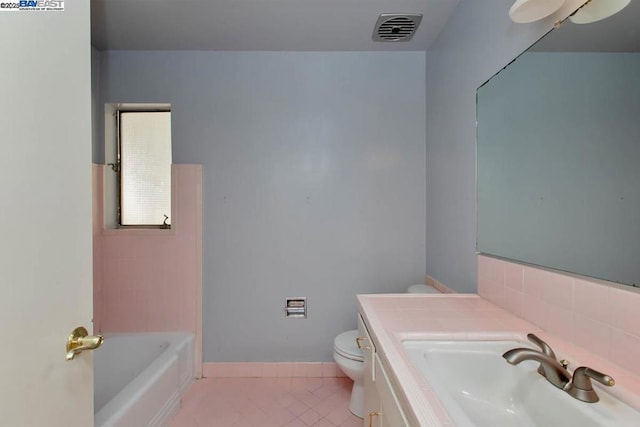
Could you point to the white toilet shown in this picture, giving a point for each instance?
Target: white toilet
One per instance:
(350, 358)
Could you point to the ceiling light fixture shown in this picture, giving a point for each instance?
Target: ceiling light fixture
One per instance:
(525, 11)
(596, 10)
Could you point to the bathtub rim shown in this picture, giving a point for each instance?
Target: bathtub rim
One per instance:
(125, 399)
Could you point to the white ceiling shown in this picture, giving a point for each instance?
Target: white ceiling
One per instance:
(281, 25)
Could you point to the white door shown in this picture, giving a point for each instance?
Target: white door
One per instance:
(45, 215)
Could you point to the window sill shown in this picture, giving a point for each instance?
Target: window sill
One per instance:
(139, 231)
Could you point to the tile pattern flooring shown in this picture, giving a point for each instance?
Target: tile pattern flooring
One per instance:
(267, 402)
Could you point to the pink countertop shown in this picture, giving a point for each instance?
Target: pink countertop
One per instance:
(392, 319)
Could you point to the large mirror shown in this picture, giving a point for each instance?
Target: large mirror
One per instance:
(559, 152)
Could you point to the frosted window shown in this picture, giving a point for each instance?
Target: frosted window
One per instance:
(145, 156)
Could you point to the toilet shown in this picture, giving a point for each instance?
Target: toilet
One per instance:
(350, 359)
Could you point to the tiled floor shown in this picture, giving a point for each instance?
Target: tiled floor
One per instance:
(267, 402)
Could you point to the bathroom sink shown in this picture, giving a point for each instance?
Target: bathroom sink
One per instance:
(479, 388)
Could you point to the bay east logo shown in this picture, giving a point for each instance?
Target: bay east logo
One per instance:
(31, 5)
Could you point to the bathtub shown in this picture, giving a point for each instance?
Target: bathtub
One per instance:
(139, 379)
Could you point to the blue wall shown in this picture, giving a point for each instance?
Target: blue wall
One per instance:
(314, 183)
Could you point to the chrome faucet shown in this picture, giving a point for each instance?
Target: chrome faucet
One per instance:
(554, 372)
(547, 350)
(579, 386)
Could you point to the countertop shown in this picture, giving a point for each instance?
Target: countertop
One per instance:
(393, 318)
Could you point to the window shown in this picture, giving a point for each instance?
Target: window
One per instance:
(144, 157)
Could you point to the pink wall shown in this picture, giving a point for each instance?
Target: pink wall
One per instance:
(602, 318)
(151, 280)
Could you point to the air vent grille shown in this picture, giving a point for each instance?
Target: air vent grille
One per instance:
(396, 27)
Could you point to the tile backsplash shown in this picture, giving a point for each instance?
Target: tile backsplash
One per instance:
(150, 280)
(602, 318)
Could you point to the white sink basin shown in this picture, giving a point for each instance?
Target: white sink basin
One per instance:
(479, 388)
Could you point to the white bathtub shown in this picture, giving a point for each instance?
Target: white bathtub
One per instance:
(139, 379)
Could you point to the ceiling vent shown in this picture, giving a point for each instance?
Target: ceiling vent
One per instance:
(396, 27)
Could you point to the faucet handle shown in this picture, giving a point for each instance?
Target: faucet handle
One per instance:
(581, 387)
(546, 349)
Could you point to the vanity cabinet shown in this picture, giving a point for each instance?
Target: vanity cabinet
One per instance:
(390, 413)
(381, 405)
(371, 399)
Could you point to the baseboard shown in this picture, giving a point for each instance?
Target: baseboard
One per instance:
(430, 281)
(271, 370)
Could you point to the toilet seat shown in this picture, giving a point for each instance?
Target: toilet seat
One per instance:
(350, 359)
(345, 345)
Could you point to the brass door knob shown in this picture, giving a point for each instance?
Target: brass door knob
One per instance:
(80, 340)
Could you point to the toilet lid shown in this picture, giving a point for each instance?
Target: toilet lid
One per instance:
(345, 345)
